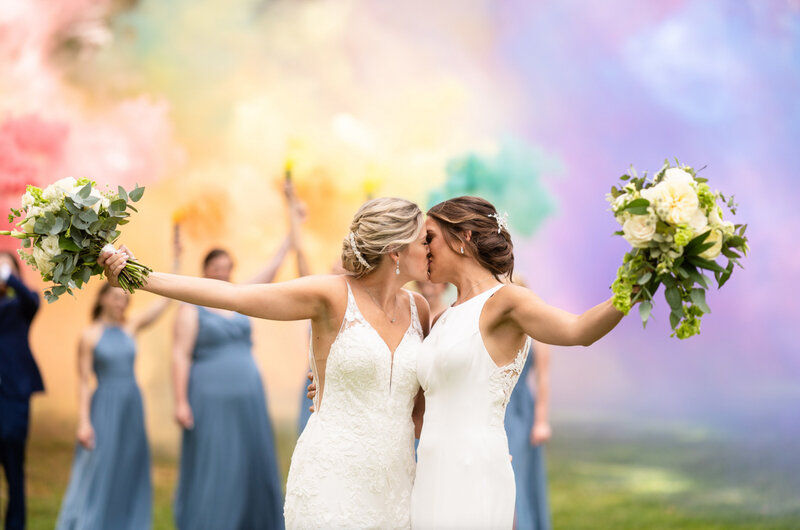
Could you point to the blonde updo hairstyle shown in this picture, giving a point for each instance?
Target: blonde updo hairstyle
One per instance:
(380, 226)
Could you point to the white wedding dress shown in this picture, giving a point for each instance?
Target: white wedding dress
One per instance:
(353, 466)
(464, 477)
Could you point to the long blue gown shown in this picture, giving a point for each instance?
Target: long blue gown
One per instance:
(532, 509)
(110, 486)
(228, 471)
(305, 405)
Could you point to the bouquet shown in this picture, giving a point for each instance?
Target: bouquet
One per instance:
(67, 225)
(676, 228)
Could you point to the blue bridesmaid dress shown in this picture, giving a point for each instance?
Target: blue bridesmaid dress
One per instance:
(532, 509)
(305, 405)
(110, 486)
(228, 471)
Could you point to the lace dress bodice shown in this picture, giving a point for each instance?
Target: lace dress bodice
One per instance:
(353, 466)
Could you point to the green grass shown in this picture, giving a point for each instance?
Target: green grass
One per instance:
(615, 476)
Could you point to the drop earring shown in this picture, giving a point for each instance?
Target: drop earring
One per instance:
(462, 250)
(397, 270)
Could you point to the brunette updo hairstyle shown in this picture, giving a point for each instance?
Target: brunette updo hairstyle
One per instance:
(493, 249)
(380, 226)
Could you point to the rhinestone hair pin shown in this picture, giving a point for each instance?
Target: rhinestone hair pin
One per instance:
(359, 257)
(502, 221)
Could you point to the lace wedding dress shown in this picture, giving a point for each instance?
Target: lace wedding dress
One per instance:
(464, 477)
(353, 465)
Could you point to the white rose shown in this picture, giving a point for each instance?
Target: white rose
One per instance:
(619, 202)
(698, 222)
(28, 200)
(714, 237)
(727, 228)
(42, 260)
(96, 206)
(650, 194)
(677, 176)
(53, 193)
(28, 225)
(639, 230)
(35, 211)
(104, 202)
(715, 217)
(50, 245)
(676, 202)
(67, 185)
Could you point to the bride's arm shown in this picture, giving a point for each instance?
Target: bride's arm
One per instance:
(300, 299)
(552, 325)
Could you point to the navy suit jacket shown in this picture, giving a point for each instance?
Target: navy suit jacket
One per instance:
(19, 375)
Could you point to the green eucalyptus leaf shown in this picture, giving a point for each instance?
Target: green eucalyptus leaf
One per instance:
(675, 318)
(68, 244)
(673, 296)
(122, 193)
(84, 192)
(136, 193)
(644, 311)
(89, 215)
(698, 297)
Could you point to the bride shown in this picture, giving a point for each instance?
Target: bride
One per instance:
(353, 466)
(471, 361)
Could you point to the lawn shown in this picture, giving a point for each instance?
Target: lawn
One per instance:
(615, 476)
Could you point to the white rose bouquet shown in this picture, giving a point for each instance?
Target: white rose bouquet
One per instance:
(66, 225)
(675, 227)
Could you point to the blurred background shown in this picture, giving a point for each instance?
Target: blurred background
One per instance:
(538, 106)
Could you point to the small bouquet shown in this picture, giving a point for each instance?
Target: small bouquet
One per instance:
(67, 225)
(675, 227)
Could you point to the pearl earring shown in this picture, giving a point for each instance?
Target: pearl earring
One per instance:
(397, 270)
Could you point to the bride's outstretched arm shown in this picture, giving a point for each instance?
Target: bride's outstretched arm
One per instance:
(300, 299)
(552, 325)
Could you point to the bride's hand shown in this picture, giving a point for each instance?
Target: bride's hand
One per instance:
(114, 262)
(312, 390)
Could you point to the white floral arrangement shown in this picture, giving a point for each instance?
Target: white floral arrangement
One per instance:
(66, 225)
(676, 228)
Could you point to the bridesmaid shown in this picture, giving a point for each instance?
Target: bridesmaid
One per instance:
(228, 470)
(110, 484)
(528, 427)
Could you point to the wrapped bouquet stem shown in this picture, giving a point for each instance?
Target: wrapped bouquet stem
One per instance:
(674, 224)
(67, 225)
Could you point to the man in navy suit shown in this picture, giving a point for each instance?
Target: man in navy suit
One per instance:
(19, 378)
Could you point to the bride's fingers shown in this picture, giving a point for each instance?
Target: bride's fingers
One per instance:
(127, 251)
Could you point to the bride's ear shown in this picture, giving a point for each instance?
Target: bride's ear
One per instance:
(467, 235)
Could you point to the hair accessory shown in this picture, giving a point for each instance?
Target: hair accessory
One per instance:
(397, 270)
(502, 221)
(359, 257)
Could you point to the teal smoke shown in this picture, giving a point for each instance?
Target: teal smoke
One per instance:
(511, 179)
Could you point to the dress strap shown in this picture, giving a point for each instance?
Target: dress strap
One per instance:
(352, 315)
(415, 323)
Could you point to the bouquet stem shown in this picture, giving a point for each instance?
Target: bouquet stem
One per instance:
(133, 276)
